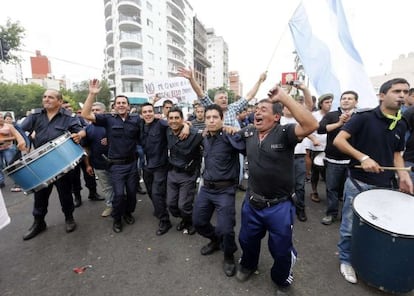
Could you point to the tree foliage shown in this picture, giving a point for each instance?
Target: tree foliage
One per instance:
(23, 98)
(13, 33)
(230, 93)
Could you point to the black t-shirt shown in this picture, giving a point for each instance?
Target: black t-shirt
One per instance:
(271, 161)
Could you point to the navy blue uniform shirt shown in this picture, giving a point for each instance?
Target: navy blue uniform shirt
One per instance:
(221, 156)
(46, 130)
(154, 142)
(122, 134)
(94, 135)
(182, 152)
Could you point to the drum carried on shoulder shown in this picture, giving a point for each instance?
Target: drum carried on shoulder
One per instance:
(383, 239)
(44, 165)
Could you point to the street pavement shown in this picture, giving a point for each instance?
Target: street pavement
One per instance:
(137, 262)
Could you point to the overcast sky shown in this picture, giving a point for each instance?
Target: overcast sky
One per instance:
(258, 36)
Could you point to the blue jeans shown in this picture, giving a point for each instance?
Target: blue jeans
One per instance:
(345, 231)
(335, 179)
(300, 175)
(6, 156)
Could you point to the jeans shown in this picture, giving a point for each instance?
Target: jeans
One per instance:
(335, 179)
(345, 230)
(6, 156)
(300, 175)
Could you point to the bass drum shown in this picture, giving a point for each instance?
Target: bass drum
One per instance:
(383, 239)
(44, 165)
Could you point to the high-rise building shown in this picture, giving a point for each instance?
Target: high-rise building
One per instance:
(218, 55)
(201, 64)
(235, 83)
(146, 40)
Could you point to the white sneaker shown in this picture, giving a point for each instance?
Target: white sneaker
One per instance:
(349, 273)
(107, 212)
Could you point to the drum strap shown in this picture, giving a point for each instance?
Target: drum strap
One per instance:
(357, 186)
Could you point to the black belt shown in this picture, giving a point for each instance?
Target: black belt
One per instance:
(299, 155)
(259, 202)
(219, 184)
(178, 169)
(120, 160)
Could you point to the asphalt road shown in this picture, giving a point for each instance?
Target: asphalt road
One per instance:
(137, 262)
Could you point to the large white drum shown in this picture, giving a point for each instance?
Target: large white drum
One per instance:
(383, 239)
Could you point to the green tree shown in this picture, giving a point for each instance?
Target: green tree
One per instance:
(230, 93)
(13, 33)
(20, 98)
(81, 90)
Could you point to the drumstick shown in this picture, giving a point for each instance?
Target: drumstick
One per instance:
(408, 169)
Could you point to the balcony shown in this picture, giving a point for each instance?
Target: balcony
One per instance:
(130, 40)
(178, 59)
(109, 37)
(108, 23)
(129, 6)
(133, 57)
(176, 20)
(175, 45)
(176, 32)
(108, 9)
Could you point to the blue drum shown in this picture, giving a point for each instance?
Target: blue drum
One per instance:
(383, 239)
(44, 165)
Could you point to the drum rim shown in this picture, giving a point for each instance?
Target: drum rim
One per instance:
(18, 164)
(393, 234)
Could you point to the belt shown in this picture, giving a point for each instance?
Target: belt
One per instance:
(259, 202)
(120, 160)
(299, 155)
(178, 169)
(219, 184)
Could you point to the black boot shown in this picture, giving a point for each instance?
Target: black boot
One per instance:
(38, 226)
(78, 199)
(93, 195)
(70, 224)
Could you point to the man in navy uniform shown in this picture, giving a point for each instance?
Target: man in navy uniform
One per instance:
(123, 132)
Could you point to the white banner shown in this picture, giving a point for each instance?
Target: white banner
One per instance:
(176, 88)
(4, 216)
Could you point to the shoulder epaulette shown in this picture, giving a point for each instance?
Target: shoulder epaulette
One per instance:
(36, 111)
(362, 110)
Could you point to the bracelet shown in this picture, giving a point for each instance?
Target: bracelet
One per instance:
(364, 158)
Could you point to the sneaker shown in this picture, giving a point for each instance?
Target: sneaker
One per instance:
(107, 212)
(348, 273)
(16, 188)
(243, 274)
(328, 220)
(315, 197)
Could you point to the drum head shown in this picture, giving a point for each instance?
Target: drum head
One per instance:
(388, 210)
(318, 160)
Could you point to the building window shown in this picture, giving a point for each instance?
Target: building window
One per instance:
(149, 6)
(149, 23)
(132, 86)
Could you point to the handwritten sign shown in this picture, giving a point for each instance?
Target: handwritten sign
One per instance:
(178, 88)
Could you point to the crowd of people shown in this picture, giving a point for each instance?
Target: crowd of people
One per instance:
(192, 167)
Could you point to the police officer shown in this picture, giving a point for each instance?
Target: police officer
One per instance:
(123, 132)
(185, 161)
(268, 206)
(221, 173)
(48, 123)
(153, 139)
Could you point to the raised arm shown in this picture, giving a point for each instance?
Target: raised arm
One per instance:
(188, 73)
(306, 95)
(306, 122)
(94, 88)
(252, 93)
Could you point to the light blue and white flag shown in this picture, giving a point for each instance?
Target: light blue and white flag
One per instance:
(324, 45)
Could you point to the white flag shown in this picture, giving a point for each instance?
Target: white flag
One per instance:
(324, 45)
